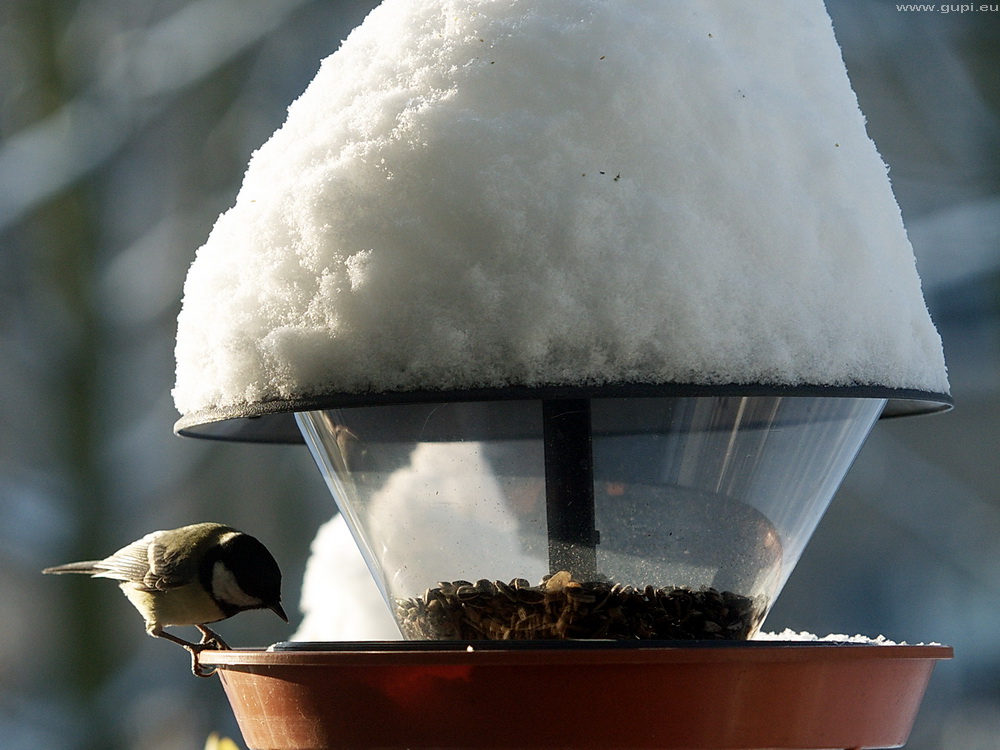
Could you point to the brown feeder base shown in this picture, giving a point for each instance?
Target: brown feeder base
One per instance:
(732, 696)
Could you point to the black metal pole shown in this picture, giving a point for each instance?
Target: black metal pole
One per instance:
(569, 487)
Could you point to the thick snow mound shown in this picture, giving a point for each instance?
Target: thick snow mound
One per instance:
(478, 193)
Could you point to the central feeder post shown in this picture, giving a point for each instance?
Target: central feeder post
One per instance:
(569, 487)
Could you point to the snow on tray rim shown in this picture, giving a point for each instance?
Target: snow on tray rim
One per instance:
(801, 636)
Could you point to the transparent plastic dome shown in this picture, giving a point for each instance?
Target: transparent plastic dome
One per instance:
(645, 518)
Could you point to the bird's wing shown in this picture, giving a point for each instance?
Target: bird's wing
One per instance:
(129, 564)
(169, 566)
(153, 563)
(147, 564)
(174, 556)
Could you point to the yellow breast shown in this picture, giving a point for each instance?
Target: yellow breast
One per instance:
(185, 605)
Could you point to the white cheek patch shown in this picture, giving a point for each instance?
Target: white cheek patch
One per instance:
(225, 588)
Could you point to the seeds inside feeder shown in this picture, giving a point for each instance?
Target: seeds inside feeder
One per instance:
(562, 608)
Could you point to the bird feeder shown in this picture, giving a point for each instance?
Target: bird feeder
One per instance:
(584, 311)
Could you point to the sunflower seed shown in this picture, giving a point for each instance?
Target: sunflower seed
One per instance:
(561, 607)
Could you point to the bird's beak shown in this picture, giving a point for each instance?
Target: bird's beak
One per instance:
(276, 608)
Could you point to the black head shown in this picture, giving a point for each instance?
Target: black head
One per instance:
(244, 575)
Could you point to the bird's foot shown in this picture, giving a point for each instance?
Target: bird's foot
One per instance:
(211, 639)
(196, 668)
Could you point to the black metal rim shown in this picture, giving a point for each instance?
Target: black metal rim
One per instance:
(556, 645)
(273, 422)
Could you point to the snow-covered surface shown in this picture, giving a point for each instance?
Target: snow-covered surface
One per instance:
(803, 636)
(477, 193)
(421, 503)
(340, 600)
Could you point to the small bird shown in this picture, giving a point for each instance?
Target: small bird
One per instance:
(192, 575)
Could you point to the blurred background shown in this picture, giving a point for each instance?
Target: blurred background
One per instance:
(125, 129)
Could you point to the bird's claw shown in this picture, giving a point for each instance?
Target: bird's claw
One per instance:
(213, 643)
(209, 641)
(196, 668)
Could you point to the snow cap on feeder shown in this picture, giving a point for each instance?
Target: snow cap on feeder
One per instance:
(487, 196)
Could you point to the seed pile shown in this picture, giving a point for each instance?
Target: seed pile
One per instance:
(561, 608)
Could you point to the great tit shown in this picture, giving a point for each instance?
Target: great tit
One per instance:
(193, 575)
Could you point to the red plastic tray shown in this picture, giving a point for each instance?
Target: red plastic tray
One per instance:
(732, 696)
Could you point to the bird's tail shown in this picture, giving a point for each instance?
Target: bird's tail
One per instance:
(87, 567)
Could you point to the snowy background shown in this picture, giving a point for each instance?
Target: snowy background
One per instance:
(125, 129)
